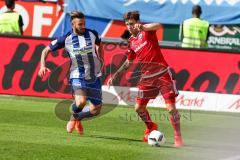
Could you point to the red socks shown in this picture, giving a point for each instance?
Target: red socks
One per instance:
(144, 115)
(175, 120)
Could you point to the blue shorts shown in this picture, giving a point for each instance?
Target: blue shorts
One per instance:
(93, 89)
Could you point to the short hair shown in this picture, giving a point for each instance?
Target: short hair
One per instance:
(131, 15)
(10, 3)
(197, 10)
(76, 14)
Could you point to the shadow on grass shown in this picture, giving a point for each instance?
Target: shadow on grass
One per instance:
(167, 145)
(113, 138)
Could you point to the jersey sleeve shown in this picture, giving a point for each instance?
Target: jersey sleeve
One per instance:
(98, 39)
(57, 43)
(150, 34)
(131, 54)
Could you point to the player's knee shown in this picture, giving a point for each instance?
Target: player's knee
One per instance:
(137, 108)
(140, 108)
(141, 104)
(170, 101)
(96, 110)
(80, 103)
(171, 108)
(169, 98)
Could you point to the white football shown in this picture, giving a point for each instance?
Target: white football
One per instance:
(156, 138)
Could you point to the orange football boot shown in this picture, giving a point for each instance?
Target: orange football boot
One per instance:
(148, 131)
(71, 125)
(178, 142)
(79, 127)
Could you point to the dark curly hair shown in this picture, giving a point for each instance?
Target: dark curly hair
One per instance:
(131, 15)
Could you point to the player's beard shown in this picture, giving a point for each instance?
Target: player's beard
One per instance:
(80, 31)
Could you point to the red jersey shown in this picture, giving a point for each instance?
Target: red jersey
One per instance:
(155, 73)
(147, 51)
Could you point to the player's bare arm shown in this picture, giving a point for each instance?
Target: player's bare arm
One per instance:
(123, 68)
(43, 69)
(100, 53)
(148, 27)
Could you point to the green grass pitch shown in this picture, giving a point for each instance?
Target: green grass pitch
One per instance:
(30, 130)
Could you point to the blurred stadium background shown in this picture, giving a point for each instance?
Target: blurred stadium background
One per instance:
(208, 80)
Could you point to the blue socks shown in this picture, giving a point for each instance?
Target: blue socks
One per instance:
(85, 113)
(75, 109)
(79, 113)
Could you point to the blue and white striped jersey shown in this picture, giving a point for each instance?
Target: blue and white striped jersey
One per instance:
(85, 63)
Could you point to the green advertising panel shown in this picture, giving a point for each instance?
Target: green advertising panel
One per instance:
(171, 33)
(220, 36)
(226, 37)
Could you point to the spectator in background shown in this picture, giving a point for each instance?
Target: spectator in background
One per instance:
(11, 22)
(194, 31)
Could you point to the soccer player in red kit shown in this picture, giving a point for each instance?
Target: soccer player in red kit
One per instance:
(155, 73)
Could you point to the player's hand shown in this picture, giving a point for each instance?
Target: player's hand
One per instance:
(138, 26)
(42, 71)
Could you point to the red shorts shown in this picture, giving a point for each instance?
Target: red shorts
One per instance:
(150, 88)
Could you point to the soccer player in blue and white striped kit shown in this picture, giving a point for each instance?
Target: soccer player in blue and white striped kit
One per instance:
(85, 51)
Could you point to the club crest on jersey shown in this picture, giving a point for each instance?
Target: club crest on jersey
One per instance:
(140, 36)
(140, 46)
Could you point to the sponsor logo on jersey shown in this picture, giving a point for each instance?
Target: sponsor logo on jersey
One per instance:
(83, 50)
(141, 46)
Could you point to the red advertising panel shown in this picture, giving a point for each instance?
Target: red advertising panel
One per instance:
(194, 70)
(205, 71)
(20, 60)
